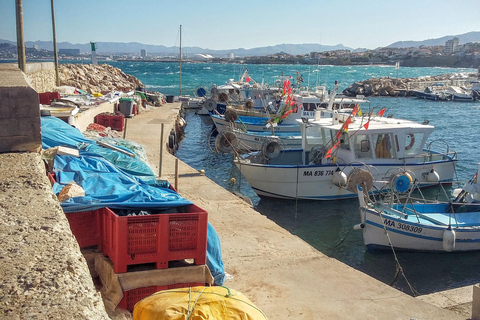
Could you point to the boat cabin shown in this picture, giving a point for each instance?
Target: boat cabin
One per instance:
(384, 139)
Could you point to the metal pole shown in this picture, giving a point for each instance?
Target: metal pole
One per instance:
(125, 129)
(176, 174)
(161, 152)
(180, 93)
(20, 40)
(55, 53)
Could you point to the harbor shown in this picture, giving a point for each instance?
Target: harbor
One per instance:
(281, 273)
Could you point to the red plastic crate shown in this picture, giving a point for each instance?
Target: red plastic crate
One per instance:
(86, 227)
(103, 120)
(44, 97)
(131, 297)
(157, 238)
(117, 122)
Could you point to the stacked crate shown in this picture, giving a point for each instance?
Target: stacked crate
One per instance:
(156, 238)
(148, 239)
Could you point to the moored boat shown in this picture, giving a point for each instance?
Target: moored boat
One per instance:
(368, 147)
(400, 222)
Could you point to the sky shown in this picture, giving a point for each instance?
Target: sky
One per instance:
(222, 25)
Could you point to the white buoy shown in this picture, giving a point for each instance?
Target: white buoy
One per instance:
(449, 239)
(359, 226)
(339, 179)
(433, 176)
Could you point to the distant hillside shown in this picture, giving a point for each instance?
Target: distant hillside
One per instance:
(294, 49)
(135, 47)
(463, 38)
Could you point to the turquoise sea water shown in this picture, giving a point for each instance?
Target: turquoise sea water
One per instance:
(327, 226)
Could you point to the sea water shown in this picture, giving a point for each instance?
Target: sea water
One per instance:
(328, 226)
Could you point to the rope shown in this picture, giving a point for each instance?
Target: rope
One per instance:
(190, 311)
(343, 238)
(399, 269)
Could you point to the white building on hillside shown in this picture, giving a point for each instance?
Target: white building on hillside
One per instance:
(450, 46)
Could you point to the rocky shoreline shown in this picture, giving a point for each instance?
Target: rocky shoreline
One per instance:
(97, 78)
(394, 87)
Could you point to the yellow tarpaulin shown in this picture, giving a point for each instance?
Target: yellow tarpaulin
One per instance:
(197, 303)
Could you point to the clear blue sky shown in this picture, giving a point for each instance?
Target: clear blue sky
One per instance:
(243, 24)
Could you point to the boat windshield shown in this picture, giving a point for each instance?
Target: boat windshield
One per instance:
(361, 145)
(384, 147)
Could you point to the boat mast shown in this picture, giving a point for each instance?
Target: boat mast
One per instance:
(180, 93)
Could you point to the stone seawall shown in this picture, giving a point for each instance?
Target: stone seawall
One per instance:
(87, 77)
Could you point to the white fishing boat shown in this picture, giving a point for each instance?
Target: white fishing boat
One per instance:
(352, 148)
(283, 118)
(402, 222)
(458, 94)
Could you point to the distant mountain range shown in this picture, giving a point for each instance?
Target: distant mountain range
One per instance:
(462, 38)
(294, 49)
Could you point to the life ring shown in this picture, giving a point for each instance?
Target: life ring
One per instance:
(412, 141)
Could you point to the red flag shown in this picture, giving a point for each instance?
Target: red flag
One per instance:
(366, 125)
(329, 153)
(381, 112)
(248, 79)
(347, 123)
(355, 110)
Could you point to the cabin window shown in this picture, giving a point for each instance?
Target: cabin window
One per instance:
(413, 143)
(384, 148)
(309, 106)
(361, 145)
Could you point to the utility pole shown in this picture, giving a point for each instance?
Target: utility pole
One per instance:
(20, 41)
(55, 54)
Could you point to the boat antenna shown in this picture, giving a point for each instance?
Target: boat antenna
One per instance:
(332, 96)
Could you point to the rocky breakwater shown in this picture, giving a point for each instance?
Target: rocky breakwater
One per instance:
(394, 87)
(97, 78)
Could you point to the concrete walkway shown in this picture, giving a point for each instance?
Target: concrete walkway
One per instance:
(283, 275)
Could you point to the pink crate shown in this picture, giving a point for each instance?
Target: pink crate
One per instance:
(157, 238)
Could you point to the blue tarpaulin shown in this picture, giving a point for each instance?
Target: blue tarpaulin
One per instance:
(56, 132)
(107, 186)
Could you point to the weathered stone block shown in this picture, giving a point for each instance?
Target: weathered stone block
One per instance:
(20, 128)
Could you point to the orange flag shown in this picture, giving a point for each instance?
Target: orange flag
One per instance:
(381, 112)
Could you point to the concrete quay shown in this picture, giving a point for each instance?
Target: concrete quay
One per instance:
(283, 275)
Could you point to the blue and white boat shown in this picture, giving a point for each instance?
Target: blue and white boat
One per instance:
(414, 224)
(352, 148)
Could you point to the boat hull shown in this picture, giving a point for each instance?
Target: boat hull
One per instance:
(260, 125)
(314, 182)
(382, 232)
